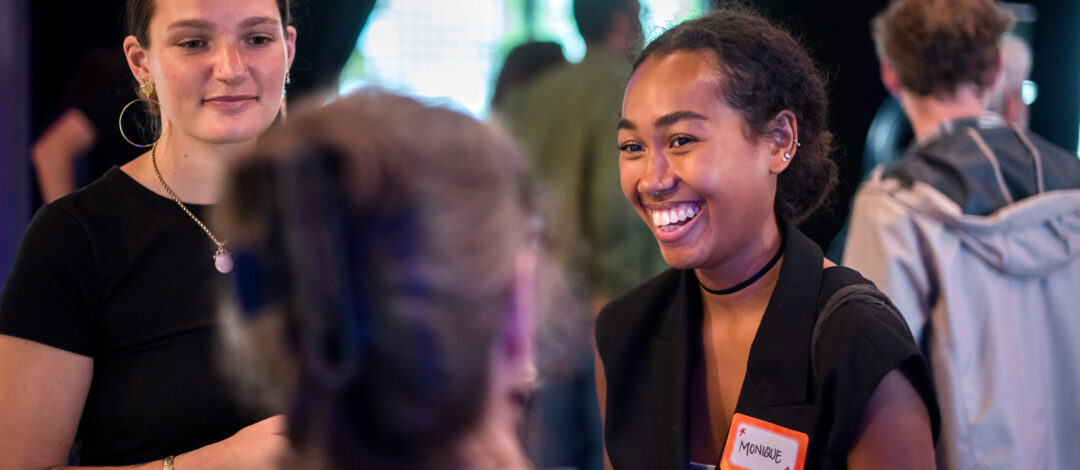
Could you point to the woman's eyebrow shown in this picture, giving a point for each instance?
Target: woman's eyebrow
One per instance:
(190, 23)
(676, 116)
(203, 24)
(257, 21)
(665, 120)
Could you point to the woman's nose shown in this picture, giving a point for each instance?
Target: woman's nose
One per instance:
(230, 64)
(657, 180)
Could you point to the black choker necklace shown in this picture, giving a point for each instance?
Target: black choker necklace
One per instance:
(753, 279)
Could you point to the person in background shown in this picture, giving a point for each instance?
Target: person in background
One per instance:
(973, 234)
(1006, 96)
(388, 284)
(565, 120)
(82, 144)
(753, 351)
(108, 317)
(523, 64)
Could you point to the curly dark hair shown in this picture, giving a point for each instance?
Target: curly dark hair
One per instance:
(764, 70)
(935, 46)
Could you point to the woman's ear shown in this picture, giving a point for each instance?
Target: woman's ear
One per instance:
(785, 141)
(290, 45)
(137, 59)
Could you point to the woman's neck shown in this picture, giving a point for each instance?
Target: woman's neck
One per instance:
(194, 170)
(742, 266)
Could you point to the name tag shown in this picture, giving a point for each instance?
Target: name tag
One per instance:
(754, 444)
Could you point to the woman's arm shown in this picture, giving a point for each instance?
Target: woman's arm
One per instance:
(42, 393)
(894, 431)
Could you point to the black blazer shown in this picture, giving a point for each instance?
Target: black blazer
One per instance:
(650, 341)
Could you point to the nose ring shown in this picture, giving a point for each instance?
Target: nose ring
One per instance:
(660, 188)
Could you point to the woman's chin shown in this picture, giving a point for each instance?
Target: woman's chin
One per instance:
(679, 260)
(231, 136)
(232, 130)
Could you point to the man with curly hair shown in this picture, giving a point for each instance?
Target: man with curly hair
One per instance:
(974, 234)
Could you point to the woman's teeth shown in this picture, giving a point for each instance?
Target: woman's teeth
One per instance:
(666, 219)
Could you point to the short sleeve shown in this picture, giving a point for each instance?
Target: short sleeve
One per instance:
(48, 296)
(858, 346)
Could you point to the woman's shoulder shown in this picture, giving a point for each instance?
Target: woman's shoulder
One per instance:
(113, 184)
(116, 201)
(858, 339)
(640, 310)
(643, 298)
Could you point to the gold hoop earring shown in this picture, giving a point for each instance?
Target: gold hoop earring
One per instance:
(147, 89)
(120, 124)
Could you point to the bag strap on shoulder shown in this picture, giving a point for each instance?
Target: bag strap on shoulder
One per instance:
(856, 292)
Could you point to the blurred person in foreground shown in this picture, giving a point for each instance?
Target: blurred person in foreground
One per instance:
(973, 233)
(1006, 97)
(753, 351)
(562, 418)
(388, 285)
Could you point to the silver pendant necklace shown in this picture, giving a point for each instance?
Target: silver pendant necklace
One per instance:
(222, 260)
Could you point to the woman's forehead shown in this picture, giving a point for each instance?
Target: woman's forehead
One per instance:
(170, 14)
(678, 81)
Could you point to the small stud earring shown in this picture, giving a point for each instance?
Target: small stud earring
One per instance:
(147, 88)
(787, 156)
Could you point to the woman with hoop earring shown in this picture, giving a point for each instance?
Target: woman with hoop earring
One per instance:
(107, 320)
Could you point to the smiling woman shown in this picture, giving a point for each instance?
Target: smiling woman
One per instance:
(107, 322)
(723, 150)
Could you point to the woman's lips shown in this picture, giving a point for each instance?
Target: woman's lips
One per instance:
(672, 221)
(230, 101)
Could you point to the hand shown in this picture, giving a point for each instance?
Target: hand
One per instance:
(260, 445)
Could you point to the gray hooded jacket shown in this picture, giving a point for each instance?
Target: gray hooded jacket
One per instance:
(976, 238)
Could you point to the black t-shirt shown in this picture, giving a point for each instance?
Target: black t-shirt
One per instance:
(120, 274)
(650, 340)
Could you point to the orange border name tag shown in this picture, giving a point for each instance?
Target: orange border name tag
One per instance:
(754, 444)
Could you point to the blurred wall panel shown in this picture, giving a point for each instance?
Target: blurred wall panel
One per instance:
(1055, 115)
(14, 128)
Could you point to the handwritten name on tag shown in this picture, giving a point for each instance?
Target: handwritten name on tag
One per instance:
(754, 444)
